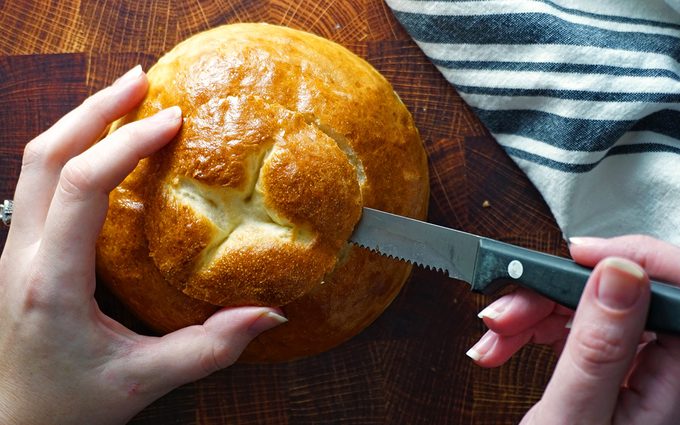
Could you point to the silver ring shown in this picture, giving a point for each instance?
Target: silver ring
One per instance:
(6, 211)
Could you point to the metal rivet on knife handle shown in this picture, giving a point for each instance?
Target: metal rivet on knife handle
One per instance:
(515, 269)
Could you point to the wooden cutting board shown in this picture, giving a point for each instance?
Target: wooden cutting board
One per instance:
(409, 367)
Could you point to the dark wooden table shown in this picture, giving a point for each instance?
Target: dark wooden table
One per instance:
(409, 367)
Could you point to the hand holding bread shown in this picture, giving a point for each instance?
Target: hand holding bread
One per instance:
(61, 359)
(236, 210)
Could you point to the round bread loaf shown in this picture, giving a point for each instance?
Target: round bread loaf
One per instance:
(286, 136)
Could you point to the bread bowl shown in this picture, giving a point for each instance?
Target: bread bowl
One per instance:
(286, 136)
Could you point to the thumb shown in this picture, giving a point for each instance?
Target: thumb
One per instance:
(197, 351)
(601, 346)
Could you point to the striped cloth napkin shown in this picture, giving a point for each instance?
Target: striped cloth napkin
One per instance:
(582, 94)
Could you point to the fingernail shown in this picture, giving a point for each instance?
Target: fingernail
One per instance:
(129, 76)
(482, 347)
(172, 113)
(569, 323)
(580, 240)
(267, 321)
(620, 283)
(648, 337)
(495, 309)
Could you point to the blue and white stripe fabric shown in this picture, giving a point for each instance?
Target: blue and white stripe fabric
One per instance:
(584, 95)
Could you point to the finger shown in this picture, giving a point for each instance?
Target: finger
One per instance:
(658, 258)
(494, 349)
(80, 201)
(600, 348)
(197, 351)
(518, 312)
(518, 319)
(45, 156)
(653, 387)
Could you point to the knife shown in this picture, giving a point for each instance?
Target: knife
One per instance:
(487, 264)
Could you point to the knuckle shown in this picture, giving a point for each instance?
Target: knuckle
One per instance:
(39, 153)
(657, 257)
(36, 293)
(225, 357)
(209, 364)
(33, 153)
(127, 134)
(640, 248)
(95, 100)
(77, 178)
(95, 106)
(218, 357)
(597, 345)
(127, 140)
(638, 239)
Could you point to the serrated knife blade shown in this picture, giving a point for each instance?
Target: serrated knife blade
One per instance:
(426, 245)
(488, 264)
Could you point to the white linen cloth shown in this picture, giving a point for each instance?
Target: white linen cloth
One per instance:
(584, 95)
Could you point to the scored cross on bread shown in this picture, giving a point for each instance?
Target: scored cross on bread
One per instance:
(253, 200)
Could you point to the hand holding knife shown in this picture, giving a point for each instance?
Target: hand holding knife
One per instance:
(487, 264)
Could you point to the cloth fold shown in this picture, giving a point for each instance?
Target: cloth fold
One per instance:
(583, 95)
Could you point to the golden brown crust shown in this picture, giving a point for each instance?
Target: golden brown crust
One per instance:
(245, 216)
(350, 299)
(286, 135)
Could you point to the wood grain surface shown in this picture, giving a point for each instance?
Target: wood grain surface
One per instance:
(409, 367)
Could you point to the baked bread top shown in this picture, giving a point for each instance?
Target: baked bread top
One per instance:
(286, 136)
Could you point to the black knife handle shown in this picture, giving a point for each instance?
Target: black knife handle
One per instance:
(561, 280)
